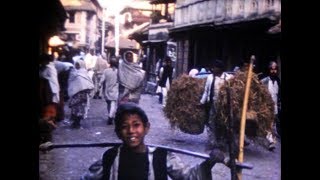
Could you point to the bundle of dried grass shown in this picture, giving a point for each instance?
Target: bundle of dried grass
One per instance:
(260, 112)
(182, 108)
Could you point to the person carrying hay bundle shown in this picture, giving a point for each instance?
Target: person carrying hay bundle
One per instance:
(182, 106)
(210, 95)
(260, 111)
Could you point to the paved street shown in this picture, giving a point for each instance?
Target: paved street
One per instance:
(71, 163)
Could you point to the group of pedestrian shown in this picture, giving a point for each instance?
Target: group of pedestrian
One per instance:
(133, 159)
(121, 84)
(62, 81)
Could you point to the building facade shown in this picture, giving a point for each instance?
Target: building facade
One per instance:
(83, 23)
(156, 45)
(229, 30)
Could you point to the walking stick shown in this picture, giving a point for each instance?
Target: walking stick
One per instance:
(243, 115)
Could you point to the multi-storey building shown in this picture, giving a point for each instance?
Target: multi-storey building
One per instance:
(230, 30)
(82, 25)
(157, 44)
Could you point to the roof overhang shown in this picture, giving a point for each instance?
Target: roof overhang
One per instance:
(153, 41)
(162, 1)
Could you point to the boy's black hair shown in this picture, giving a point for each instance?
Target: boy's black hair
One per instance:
(126, 109)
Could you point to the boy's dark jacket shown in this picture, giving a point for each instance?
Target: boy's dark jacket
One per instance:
(164, 163)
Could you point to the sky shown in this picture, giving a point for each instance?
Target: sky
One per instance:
(117, 5)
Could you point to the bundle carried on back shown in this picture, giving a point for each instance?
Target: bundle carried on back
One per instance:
(182, 108)
(260, 113)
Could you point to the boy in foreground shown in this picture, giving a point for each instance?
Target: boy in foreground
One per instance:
(133, 159)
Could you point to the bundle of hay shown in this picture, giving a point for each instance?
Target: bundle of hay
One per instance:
(260, 112)
(182, 108)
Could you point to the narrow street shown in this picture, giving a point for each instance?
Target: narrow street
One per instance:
(71, 163)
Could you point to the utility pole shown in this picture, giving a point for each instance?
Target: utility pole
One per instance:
(103, 31)
(117, 33)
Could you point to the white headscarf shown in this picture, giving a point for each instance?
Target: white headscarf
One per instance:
(193, 72)
(79, 79)
(130, 74)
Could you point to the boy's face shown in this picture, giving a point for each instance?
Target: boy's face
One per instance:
(132, 132)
